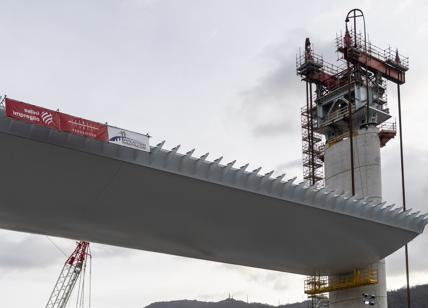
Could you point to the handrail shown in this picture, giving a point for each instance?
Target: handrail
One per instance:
(388, 54)
(323, 284)
(388, 126)
(335, 115)
(325, 66)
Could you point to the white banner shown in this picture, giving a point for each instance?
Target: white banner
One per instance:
(128, 139)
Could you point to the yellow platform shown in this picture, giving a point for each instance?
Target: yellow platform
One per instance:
(324, 284)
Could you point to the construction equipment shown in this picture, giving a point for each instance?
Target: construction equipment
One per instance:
(73, 267)
(345, 104)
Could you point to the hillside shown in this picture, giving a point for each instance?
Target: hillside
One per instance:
(396, 299)
(419, 295)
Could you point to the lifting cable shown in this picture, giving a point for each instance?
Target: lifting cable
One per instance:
(80, 299)
(90, 277)
(56, 246)
(78, 291)
(82, 294)
(403, 190)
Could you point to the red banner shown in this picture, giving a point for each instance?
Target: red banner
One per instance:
(83, 127)
(32, 114)
(54, 119)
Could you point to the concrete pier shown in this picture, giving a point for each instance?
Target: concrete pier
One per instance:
(367, 179)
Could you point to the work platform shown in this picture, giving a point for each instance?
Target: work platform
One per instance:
(65, 185)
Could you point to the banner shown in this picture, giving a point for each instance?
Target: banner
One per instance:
(32, 114)
(74, 125)
(83, 127)
(129, 139)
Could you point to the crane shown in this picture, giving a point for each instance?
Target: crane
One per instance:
(69, 275)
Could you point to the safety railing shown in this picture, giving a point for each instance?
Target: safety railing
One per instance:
(388, 126)
(338, 138)
(391, 56)
(319, 61)
(324, 284)
(337, 115)
(387, 55)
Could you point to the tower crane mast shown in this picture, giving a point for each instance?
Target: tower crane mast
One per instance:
(69, 276)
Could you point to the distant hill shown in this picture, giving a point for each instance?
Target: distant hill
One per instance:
(419, 296)
(396, 299)
(227, 303)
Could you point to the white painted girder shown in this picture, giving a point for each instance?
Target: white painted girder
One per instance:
(189, 206)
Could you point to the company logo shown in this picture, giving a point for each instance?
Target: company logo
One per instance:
(125, 140)
(47, 118)
(119, 138)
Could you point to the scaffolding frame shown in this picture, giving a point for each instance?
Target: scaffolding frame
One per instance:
(317, 284)
(388, 55)
(312, 147)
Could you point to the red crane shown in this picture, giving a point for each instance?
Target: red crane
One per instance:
(69, 275)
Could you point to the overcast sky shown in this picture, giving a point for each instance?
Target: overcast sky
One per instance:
(218, 76)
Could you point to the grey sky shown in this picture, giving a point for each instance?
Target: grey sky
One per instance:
(215, 75)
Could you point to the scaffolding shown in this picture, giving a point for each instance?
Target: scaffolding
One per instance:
(315, 285)
(315, 69)
(348, 97)
(312, 150)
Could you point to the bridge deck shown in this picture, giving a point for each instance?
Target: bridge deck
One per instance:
(64, 185)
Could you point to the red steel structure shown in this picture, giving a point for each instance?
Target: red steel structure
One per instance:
(68, 277)
(362, 67)
(348, 97)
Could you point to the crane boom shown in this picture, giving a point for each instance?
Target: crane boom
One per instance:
(68, 276)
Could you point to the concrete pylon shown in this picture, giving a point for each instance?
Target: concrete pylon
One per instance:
(368, 183)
